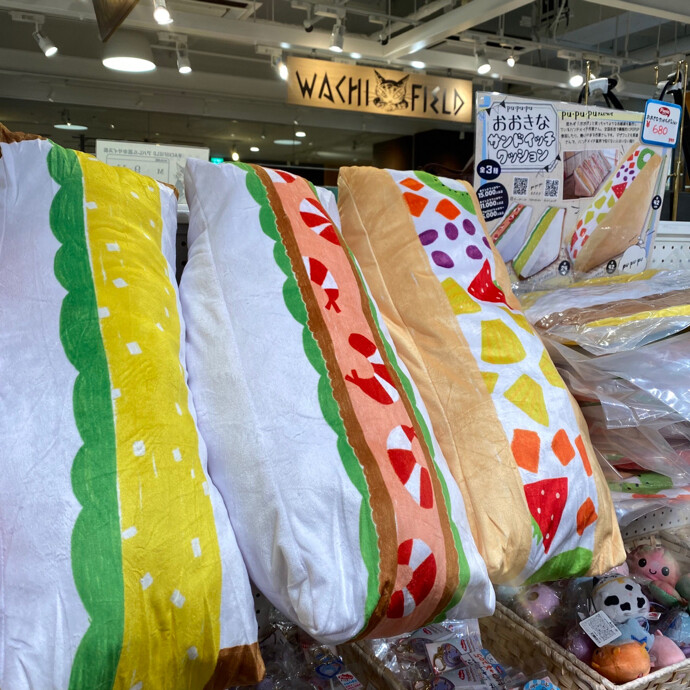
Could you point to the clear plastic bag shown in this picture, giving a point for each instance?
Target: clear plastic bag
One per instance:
(613, 314)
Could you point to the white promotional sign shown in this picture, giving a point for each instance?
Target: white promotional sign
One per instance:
(568, 191)
(520, 135)
(162, 163)
(661, 123)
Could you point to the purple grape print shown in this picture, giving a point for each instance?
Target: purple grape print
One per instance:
(468, 226)
(474, 252)
(442, 259)
(428, 236)
(451, 231)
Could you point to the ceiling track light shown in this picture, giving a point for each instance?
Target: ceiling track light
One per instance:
(279, 66)
(510, 61)
(575, 78)
(44, 43)
(483, 64)
(161, 13)
(234, 155)
(184, 66)
(337, 37)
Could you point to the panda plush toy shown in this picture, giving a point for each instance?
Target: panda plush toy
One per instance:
(623, 601)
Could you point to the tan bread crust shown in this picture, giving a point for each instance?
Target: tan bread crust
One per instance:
(624, 223)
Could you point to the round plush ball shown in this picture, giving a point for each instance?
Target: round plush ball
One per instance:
(537, 603)
(579, 644)
(683, 587)
(622, 663)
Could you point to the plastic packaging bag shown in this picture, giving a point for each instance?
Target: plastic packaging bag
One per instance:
(613, 314)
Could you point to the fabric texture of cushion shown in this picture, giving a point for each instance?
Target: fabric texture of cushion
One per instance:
(513, 436)
(119, 565)
(344, 509)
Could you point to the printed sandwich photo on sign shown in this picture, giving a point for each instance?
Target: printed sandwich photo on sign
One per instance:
(567, 191)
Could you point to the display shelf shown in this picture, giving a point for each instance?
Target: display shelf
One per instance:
(657, 520)
(671, 249)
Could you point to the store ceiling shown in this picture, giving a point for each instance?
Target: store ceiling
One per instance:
(233, 96)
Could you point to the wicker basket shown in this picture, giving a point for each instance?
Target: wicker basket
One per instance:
(368, 669)
(516, 643)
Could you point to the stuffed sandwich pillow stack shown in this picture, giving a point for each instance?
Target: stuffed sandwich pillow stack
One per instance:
(119, 566)
(511, 433)
(344, 509)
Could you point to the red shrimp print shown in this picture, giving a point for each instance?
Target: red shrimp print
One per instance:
(420, 561)
(315, 216)
(413, 476)
(320, 275)
(380, 386)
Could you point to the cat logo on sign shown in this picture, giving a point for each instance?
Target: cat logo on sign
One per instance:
(374, 90)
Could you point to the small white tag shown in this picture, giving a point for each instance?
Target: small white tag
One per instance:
(600, 628)
(348, 681)
(653, 616)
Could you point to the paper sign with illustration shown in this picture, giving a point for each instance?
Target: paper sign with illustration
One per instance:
(567, 191)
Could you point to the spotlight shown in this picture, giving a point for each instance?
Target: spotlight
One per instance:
(234, 155)
(575, 78)
(483, 64)
(280, 67)
(511, 60)
(383, 38)
(254, 149)
(418, 64)
(161, 13)
(308, 25)
(300, 133)
(44, 43)
(337, 37)
(184, 66)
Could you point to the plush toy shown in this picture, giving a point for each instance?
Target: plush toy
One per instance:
(656, 564)
(537, 603)
(622, 663)
(577, 642)
(623, 601)
(665, 652)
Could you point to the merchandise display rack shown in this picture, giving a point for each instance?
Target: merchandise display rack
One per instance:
(657, 521)
(671, 249)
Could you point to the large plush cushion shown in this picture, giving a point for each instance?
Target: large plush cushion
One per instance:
(510, 431)
(119, 567)
(342, 502)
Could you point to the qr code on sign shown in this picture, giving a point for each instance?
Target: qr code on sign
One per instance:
(520, 186)
(551, 189)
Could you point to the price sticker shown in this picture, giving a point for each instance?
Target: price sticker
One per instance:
(661, 123)
(600, 628)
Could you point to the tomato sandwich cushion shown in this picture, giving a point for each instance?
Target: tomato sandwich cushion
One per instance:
(511, 433)
(119, 565)
(342, 502)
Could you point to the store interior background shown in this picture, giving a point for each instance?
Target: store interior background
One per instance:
(233, 99)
